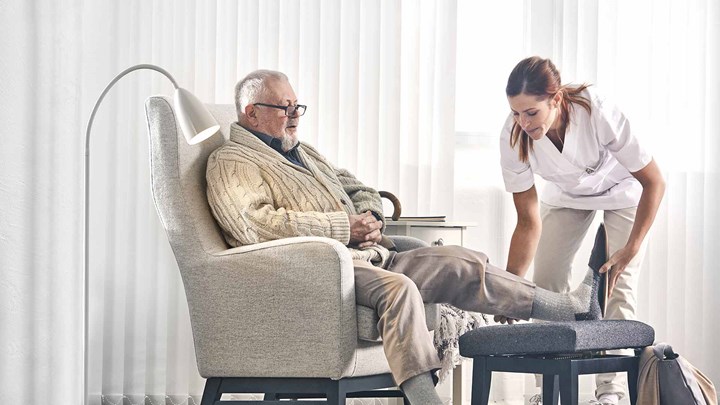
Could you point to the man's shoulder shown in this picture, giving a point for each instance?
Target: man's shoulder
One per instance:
(230, 152)
(227, 149)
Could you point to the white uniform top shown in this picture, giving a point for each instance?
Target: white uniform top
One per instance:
(593, 170)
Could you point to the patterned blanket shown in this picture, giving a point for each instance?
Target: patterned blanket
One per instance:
(453, 323)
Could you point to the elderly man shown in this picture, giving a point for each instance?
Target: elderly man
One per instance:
(263, 184)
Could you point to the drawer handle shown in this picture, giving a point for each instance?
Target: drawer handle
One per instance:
(439, 242)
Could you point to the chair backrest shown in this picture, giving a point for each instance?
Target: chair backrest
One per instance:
(178, 181)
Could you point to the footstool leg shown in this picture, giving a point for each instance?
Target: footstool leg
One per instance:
(569, 384)
(212, 393)
(632, 377)
(550, 389)
(481, 382)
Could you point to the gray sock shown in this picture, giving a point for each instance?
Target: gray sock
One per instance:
(420, 390)
(578, 305)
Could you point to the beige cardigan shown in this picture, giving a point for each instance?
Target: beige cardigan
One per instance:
(257, 195)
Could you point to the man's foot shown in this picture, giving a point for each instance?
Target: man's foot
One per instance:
(587, 301)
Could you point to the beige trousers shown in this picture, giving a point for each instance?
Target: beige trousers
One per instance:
(563, 231)
(442, 274)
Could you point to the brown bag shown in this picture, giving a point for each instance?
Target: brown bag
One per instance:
(666, 378)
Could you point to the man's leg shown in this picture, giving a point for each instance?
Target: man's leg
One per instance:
(623, 301)
(407, 343)
(464, 278)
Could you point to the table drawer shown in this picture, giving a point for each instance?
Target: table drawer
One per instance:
(437, 236)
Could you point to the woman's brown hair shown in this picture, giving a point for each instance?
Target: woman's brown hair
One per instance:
(536, 76)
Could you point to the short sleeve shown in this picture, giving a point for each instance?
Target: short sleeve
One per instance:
(517, 175)
(614, 133)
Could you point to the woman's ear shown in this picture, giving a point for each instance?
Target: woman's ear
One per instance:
(557, 98)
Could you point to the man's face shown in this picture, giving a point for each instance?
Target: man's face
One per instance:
(273, 121)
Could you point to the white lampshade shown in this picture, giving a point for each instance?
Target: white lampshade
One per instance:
(195, 120)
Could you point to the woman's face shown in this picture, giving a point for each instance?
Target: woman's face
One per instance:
(536, 114)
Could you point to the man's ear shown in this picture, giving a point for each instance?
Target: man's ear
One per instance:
(251, 113)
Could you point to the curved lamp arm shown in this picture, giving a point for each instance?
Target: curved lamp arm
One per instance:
(197, 124)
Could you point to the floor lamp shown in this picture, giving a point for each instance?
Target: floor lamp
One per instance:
(197, 124)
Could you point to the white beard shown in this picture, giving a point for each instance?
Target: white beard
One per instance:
(288, 142)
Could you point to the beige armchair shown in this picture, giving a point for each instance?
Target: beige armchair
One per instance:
(277, 318)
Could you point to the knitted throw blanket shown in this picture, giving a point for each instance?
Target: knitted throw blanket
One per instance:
(453, 323)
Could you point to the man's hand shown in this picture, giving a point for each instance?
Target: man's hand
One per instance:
(365, 229)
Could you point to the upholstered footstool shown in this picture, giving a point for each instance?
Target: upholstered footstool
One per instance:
(560, 351)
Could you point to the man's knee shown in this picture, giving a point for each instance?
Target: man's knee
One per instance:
(401, 289)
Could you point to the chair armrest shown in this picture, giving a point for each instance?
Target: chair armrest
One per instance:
(280, 308)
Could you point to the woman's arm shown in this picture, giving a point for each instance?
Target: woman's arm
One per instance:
(653, 190)
(524, 239)
(527, 232)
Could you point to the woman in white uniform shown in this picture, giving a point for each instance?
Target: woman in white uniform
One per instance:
(584, 148)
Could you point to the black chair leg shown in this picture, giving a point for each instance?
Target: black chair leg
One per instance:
(212, 393)
(550, 389)
(569, 384)
(336, 396)
(482, 378)
(271, 396)
(632, 376)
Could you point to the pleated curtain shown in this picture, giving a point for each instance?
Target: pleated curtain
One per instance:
(377, 77)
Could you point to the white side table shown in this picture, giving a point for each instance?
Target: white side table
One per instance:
(436, 234)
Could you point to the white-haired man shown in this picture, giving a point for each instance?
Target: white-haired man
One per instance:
(263, 184)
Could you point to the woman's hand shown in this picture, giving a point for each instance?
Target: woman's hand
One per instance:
(616, 265)
(504, 319)
(653, 189)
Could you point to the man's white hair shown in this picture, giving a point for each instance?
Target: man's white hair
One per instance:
(252, 87)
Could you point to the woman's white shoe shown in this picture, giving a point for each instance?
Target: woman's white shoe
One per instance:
(607, 399)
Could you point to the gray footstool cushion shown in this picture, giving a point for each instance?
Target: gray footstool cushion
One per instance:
(556, 337)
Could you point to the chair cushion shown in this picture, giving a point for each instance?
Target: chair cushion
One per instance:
(367, 320)
(556, 337)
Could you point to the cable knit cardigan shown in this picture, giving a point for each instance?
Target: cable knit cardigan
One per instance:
(257, 195)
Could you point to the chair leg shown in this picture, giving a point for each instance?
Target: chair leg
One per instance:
(336, 396)
(632, 377)
(550, 389)
(482, 378)
(569, 384)
(212, 393)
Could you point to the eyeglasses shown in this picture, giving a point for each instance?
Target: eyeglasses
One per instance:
(290, 110)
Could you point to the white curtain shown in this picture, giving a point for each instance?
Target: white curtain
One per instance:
(378, 77)
(659, 61)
